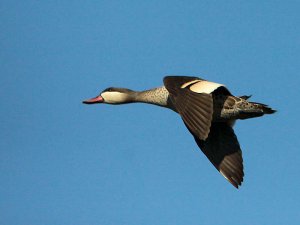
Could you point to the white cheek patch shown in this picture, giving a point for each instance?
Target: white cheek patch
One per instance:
(205, 87)
(113, 97)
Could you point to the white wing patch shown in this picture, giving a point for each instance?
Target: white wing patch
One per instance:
(188, 83)
(204, 86)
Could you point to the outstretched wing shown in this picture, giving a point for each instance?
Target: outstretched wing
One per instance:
(193, 100)
(196, 109)
(223, 150)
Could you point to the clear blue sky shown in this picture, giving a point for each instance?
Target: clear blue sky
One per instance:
(62, 162)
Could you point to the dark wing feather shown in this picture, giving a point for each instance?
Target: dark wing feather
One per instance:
(196, 109)
(175, 82)
(223, 150)
(217, 140)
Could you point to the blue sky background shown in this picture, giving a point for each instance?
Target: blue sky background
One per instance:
(62, 162)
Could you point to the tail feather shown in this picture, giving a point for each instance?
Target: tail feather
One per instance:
(245, 97)
(253, 109)
(265, 108)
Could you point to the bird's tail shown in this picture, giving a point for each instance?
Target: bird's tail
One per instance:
(253, 109)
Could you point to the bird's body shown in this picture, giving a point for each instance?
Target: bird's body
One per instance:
(208, 110)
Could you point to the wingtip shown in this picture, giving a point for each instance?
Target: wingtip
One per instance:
(235, 183)
(231, 180)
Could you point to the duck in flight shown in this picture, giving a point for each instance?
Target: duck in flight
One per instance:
(207, 109)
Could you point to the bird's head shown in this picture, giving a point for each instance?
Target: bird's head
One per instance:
(113, 95)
